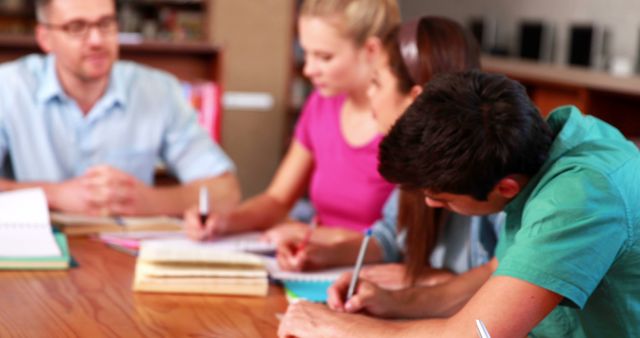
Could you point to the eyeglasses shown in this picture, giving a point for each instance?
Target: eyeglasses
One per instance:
(80, 28)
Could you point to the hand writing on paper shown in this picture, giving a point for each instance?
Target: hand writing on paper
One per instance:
(291, 254)
(368, 297)
(287, 232)
(313, 256)
(215, 225)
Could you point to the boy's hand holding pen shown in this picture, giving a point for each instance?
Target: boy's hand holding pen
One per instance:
(352, 294)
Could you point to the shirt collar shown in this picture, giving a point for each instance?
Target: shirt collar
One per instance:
(50, 87)
(116, 89)
(564, 123)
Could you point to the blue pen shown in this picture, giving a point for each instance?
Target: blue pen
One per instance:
(119, 220)
(356, 270)
(482, 330)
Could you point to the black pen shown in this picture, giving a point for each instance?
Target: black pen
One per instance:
(204, 204)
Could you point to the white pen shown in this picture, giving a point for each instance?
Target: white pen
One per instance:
(203, 205)
(482, 330)
(356, 270)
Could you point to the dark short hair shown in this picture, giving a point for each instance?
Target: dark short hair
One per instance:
(464, 133)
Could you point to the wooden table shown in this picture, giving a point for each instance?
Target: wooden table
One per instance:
(95, 300)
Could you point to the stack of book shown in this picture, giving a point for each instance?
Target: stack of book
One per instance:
(184, 266)
(205, 98)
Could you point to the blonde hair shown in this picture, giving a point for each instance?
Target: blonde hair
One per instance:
(361, 19)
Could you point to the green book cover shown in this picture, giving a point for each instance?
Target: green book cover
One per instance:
(313, 291)
(40, 263)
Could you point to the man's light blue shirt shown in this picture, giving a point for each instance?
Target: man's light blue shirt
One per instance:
(142, 119)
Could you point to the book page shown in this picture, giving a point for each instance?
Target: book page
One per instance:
(132, 239)
(25, 230)
(328, 275)
(196, 270)
(248, 242)
(186, 250)
(242, 242)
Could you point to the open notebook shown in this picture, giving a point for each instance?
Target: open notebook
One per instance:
(26, 237)
(311, 286)
(81, 224)
(247, 242)
(184, 266)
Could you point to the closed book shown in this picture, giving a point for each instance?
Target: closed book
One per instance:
(81, 225)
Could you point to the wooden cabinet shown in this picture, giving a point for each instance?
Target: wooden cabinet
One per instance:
(189, 61)
(169, 20)
(168, 34)
(610, 98)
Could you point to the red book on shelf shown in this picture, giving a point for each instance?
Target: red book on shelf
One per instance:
(205, 98)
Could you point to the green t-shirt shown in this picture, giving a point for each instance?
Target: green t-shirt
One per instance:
(574, 227)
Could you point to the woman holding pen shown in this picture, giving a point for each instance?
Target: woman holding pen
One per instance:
(455, 243)
(334, 151)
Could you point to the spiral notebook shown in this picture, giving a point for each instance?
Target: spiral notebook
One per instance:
(26, 237)
(311, 286)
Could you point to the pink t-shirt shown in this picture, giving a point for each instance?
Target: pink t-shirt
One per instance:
(346, 189)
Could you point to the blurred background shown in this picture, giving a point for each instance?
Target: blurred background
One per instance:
(239, 59)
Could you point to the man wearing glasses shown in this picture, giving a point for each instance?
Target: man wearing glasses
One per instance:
(89, 129)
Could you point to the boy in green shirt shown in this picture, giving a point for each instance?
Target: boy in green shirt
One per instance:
(475, 144)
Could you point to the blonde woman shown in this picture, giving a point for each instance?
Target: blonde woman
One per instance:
(334, 151)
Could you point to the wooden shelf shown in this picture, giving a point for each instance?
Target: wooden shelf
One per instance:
(611, 98)
(160, 46)
(188, 4)
(190, 61)
(17, 41)
(168, 47)
(166, 2)
(563, 75)
(23, 11)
